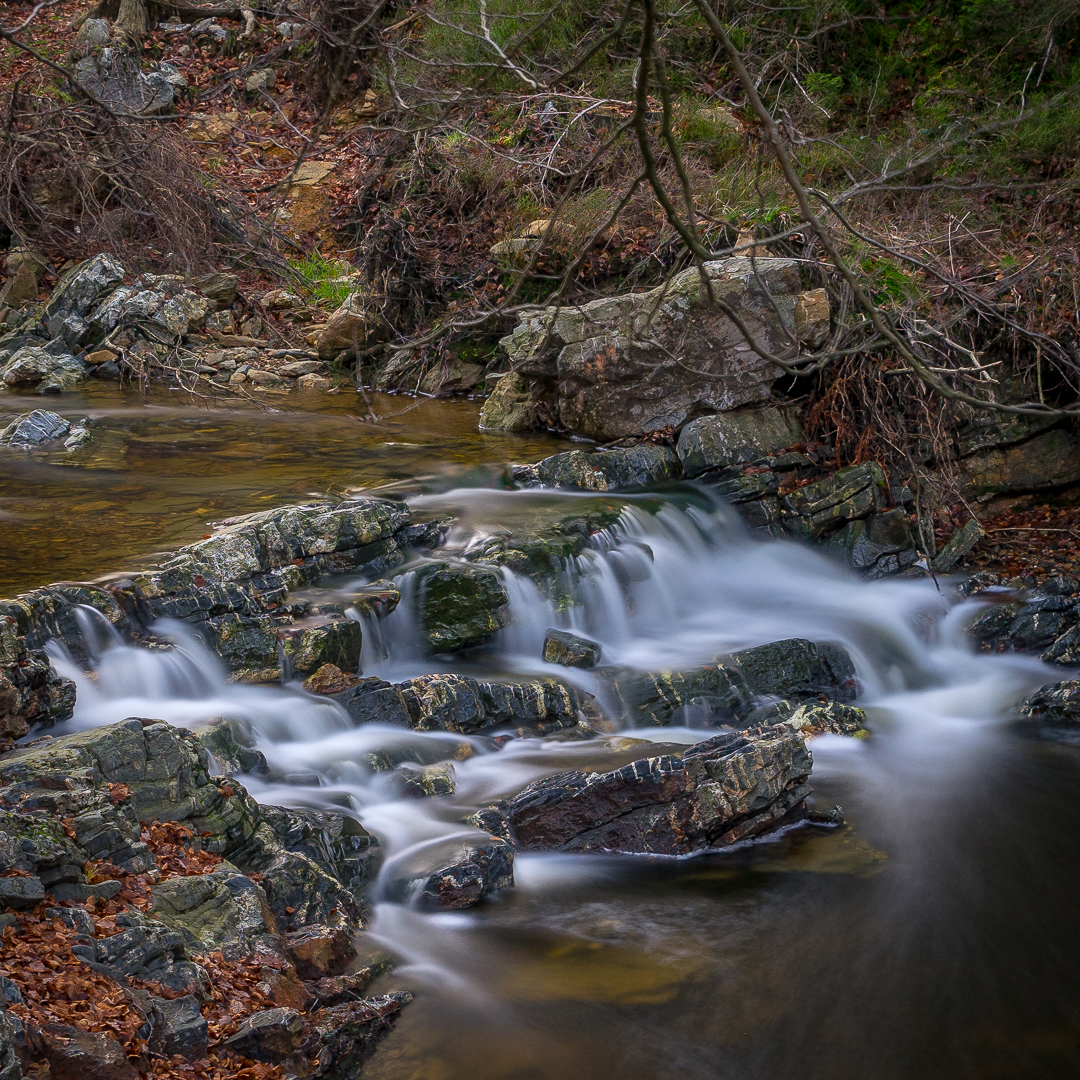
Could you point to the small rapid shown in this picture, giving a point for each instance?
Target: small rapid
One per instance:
(675, 583)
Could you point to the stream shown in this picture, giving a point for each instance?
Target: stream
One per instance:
(932, 936)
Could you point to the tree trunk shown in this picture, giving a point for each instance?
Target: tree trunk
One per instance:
(133, 21)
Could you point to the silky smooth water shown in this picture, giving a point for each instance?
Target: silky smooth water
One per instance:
(933, 936)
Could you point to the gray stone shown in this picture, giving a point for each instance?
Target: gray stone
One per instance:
(43, 370)
(879, 545)
(627, 365)
(718, 792)
(180, 1028)
(631, 467)
(11, 1030)
(426, 781)
(718, 691)
(796, 668)
(1050, 459)
(114, 78)
(821, 507)
(21, 892)
(33, 429)
(264, 79)
(561, 647)
(1057, 703)
(737, 437)
(75, 295)
(346, 1034)
(163, 303)
(272, 1035)
(479, 870)
(958, 545)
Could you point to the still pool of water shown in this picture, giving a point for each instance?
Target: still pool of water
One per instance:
(934, 937)
(156, 472)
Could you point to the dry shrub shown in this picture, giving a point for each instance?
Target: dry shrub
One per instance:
(76, 180)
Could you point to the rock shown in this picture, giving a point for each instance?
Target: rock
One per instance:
(21, 892)
(354, 326)
(21, 288)
(737, 437)
(94, 33)
(343, 988)
(318, 952)
(958, 545)
(1065, 650)
(327, 639)
(660, 698)
(561, 647)
(878, 545)
(718, 792)
(113, 77)
(163, 302)
(811, 718)
(33, 429)
(515, 251)
(267, 380)
(511, 406)
(632, 467)
(78, 1055)
(459, 605)
(1056, 703)
(329, 679)
(312, 383)
(301, 367)
(180, 1028)
(1041, 621)
(619, 367)
(219, 288)
(221, 910)
(12, 724)
(820, 508)
(344, 1035)
(211, 128)
(478, 871)
(11, 1031)
(812, 318)
(427, 781)
(264, 79)
(46, 371)
(795, 668)
(76, 293)
(232, 744)
(1050, 459)
(272, 1035)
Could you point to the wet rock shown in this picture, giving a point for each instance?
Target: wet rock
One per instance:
(479, 870)
(1056, 703)
(718, 792)
(737, 437)
(272, 1035)
(180, 1028)
(796, 668)
(329, 639)
(618, 367)
(338, 989)
(12, 725)
(46, 371)
(33, 429)
(851, 493)
(715, 691)
(318, 952)
(631, 467)
(1040, 622)
(459, 605)
(879, 545)
(1065, 650)
(561, 647)
(343, 1036)
(222, 910)
(427, 781)
(811, 718)
(374, 701)
(330, 679)
(78, 1055)
(232, 744)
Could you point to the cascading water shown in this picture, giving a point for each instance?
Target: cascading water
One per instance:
(674, 584)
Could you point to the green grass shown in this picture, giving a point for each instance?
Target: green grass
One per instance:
(321, 278)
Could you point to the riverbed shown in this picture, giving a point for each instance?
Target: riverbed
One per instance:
(932, 936)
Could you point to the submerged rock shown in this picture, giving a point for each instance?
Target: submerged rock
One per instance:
(33, 429)
(718, 691)
(810, 718)
(459, 605)
(720, 791)
(562, 647)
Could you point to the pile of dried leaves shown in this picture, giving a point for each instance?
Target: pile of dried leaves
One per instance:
(58, 988)
(1037, 543)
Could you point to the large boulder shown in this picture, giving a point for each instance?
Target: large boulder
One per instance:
(511, 406)
(46, 371)
(459, 605)
(34, 429)
(161, 303)
(737, 437)
(633, 466)
(796, 668)
(716, 691)
(629, 365)
(718, 792)
(355, 325)
(76, 293)
(115, 79)
(1050, 459)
